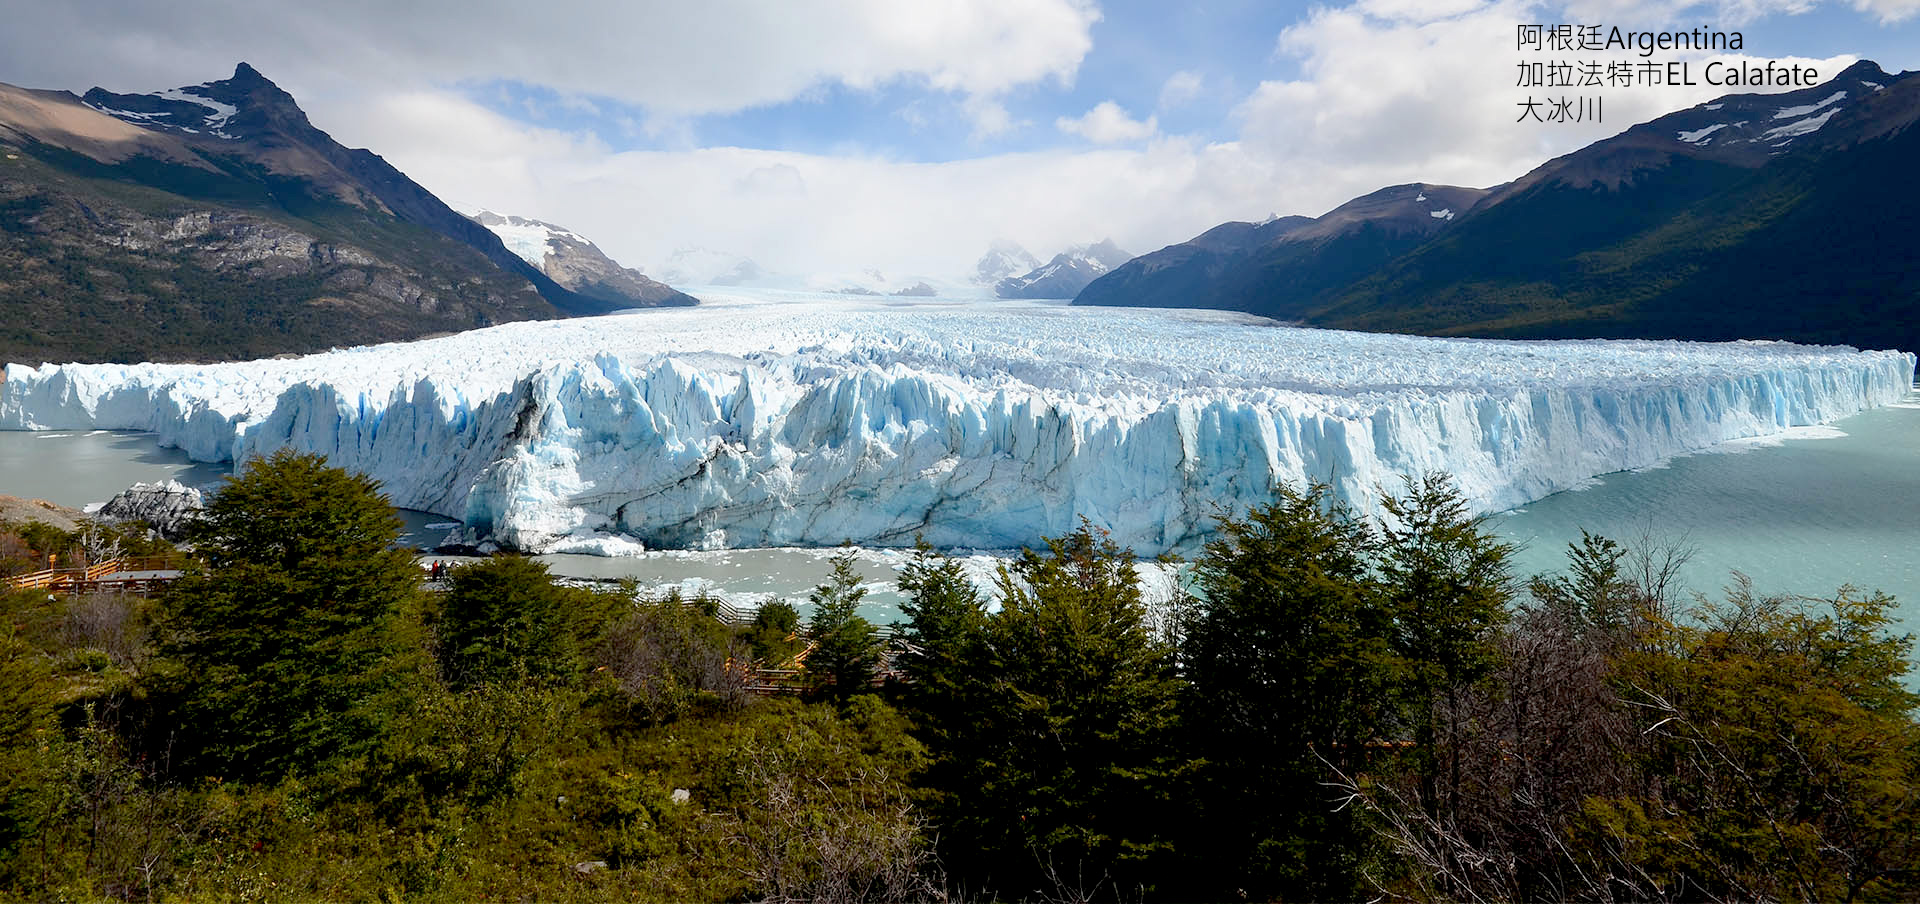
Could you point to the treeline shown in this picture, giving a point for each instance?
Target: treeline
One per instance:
(1333, 710)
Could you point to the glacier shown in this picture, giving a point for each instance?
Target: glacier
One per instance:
(814, 420)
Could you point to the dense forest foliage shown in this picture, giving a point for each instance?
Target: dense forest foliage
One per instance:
(1334, 709)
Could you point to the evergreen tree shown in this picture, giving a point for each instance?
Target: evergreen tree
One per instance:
(774, 633)
(1288, 646)
(27, 726)
(285, 644)
(1058, 766)
(946, 621)
(504, 618)
(1592, 596)
(846, 649)
(1447, 581)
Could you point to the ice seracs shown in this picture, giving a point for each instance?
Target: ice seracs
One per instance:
(991, 425)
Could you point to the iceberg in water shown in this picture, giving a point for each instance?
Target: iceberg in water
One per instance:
(815, 421)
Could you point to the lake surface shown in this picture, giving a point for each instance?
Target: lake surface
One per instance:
(1801, 515)
(76, 468)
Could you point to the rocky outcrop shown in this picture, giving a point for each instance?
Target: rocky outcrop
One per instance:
(166, 507)
(20, 510)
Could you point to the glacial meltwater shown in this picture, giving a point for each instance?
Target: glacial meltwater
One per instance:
(1801, 515)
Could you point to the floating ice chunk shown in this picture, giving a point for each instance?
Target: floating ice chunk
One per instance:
(1445, 214)
(1773, 440)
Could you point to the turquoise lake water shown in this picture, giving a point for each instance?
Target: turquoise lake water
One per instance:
(1801, 516)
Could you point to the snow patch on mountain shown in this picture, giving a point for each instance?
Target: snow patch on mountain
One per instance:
(808, 423)
(530, 240)
(1804, 109)
(1802, 127)
(1004, 258)
(1699, 136)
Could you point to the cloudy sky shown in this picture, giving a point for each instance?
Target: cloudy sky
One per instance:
(826, 137)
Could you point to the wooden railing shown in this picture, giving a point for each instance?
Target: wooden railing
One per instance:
(91, 577)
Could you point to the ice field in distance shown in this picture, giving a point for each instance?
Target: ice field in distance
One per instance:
(787, 419)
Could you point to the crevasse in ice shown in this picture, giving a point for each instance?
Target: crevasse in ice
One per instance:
(978, 425)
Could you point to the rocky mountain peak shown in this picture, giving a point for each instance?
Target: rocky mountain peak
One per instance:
(1066, 274)
(572, 260)
(246, 106)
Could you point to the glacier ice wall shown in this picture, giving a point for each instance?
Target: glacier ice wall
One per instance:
(807, 423)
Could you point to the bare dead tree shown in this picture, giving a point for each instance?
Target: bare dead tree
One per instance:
(667, 656)
(109, 622)
(1541, 735)
(1653, 563)
(852, 838)
(99, 544)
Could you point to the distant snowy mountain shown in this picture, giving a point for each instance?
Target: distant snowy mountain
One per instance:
(706, 267)
(1064, 276)
(1003, 259)
(872, 282)
(573, 261)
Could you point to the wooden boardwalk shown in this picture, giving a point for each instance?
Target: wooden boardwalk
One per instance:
(142, 575)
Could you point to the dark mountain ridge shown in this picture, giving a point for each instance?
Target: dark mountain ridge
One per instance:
(1789, 216)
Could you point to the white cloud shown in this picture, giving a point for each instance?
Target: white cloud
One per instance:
(1889, 11)
(1378, 101)
(1385, 92)
(1390, 93)
(1107, 123)
(803, 214)
(989, 117)
(1180, 89)
(1720, 14)
(671, 58)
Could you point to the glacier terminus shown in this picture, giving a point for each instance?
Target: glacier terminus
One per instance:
(795, 420)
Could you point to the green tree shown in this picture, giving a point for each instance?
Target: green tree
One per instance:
(27, 727)
(946, 622)
(1058, 768)
(288, 644)
(774, 633)
(504, 618)
(1446, 579)
(1775, 756)
(1592, 594)
(846, 649)
(1288, 648)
